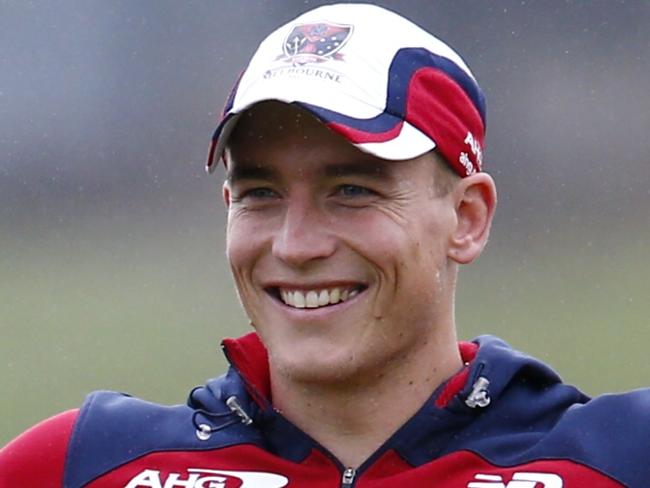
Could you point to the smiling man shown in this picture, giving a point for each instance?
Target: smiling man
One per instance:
(346, 265)
(354, 189)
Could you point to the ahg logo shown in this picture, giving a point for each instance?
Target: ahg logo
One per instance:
(208, 478)
(519, 480)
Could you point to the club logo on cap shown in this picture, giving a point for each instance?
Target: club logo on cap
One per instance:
(315, 43)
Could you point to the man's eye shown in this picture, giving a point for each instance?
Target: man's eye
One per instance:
(259, 193)
(353, 191)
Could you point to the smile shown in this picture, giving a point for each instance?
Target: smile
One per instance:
(317, 297)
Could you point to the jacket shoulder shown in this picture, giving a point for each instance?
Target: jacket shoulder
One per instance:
(610, 433)
(37, 457)
(114, 429)
(624, 417)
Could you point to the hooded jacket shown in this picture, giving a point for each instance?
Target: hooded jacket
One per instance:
(505, 420)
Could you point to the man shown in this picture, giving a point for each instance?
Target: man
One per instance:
(354, 191)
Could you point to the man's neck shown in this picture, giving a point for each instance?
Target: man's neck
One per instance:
(353, 419)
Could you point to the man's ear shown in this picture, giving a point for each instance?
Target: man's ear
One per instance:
(226, 194)
(475, 199)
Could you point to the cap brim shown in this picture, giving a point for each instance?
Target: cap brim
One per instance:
(403, 141)
(220, 139)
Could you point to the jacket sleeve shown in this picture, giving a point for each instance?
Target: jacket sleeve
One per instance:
(37, 457)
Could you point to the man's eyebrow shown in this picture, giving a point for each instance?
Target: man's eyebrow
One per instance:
(238, 172)
(375, 170)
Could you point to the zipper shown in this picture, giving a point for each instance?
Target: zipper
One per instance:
(347, 480)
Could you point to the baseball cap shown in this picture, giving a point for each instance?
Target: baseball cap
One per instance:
(389, 87)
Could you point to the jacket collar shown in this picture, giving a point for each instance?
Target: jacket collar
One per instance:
(490, 365)
(248, 355)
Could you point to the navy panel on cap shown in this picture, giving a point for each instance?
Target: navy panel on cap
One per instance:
(406, 62)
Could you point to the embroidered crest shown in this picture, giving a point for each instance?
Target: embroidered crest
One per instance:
(315, 43)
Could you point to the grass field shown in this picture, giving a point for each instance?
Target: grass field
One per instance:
(141, 308)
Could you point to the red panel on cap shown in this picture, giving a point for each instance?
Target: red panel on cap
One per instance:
(357, 136)
(440, 108)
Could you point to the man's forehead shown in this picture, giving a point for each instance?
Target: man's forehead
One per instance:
(240, 169)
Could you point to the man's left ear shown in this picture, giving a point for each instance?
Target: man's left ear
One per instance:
(475, 199)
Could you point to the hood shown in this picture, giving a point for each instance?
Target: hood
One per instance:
(486, 357)
(494, 394)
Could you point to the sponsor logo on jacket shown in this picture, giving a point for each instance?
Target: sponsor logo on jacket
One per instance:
(519, 480)
(207, 478)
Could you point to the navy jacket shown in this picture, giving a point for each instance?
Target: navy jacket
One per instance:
(505, 421)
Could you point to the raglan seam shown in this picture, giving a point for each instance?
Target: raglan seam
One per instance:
(79, 422)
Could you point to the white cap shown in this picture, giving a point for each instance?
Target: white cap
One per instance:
(388, 86)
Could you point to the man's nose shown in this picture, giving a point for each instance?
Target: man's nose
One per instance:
(305, 235)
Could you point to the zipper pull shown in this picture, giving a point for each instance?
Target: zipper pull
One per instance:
(348, 477)
(235, 407)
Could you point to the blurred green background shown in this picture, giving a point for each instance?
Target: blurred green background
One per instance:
(77, 318)
(112, 267)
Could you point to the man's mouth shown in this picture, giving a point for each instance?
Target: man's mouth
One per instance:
(316, 297)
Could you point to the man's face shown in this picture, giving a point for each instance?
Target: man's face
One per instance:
(340, 258)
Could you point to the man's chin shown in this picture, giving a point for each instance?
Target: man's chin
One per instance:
(314, 367)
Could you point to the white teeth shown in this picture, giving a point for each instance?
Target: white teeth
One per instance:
(298, 299)
(317, 298)
(335, 295)
(323, 298)
(312, 299)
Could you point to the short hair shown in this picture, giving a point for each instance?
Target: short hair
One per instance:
(444, 176)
